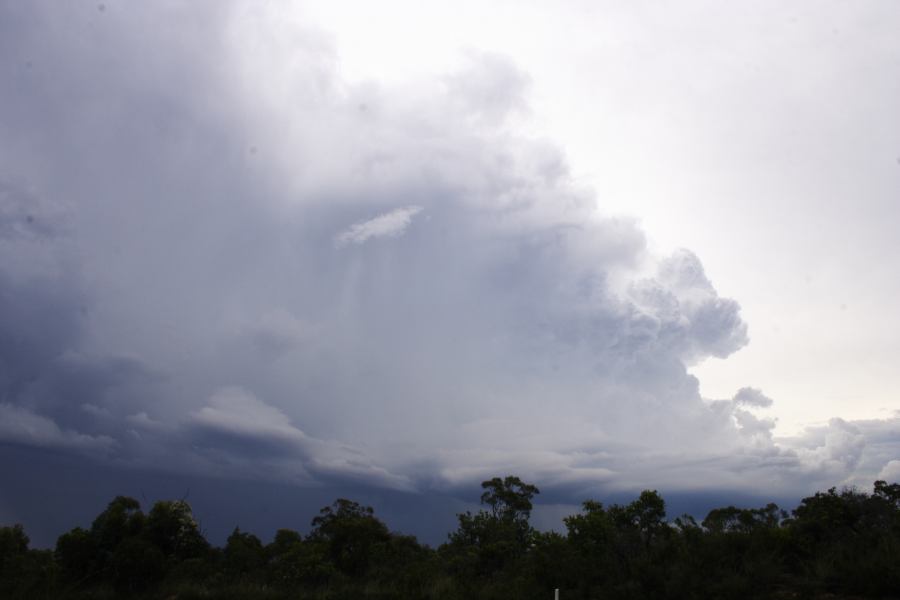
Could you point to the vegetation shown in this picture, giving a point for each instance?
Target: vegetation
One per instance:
(836, 542)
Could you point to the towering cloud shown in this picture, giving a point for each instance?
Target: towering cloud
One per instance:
(218, 256)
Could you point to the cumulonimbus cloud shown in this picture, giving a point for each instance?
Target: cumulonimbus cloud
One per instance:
(201, 287)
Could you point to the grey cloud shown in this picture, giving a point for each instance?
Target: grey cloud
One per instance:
(753, 397)
(278, 332)
(238, 430)
(143, 421)
(753, 426)
(22, 215)
(20, 425)
(200, 306)
(829, 453)
(694, 316)
(868, 445)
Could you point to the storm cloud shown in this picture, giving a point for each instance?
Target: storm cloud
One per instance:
(217, 256)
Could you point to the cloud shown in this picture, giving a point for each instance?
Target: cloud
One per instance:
(143, 421)
(22, 426)
(238, 431)
(388, 225)
(277, 332)
(890, 472)
(835, 452)
(193, 273)
(234, 411)
(489, 89)
(751, 397)
(691, 314)
(23, 216)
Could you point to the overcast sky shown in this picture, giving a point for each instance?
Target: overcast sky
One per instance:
(401, 247)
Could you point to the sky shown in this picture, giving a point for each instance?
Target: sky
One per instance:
(286, 251)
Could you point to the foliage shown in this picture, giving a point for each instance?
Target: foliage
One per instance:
(352, 536)
(835, 542)
(24, 573)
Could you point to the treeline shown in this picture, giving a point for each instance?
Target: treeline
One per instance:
(836, 542)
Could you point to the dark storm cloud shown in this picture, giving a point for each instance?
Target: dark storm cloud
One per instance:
(231, 262)
(23, 216)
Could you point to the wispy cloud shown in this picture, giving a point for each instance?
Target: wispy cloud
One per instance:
(389, 225)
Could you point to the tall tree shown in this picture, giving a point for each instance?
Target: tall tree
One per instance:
(351, 533)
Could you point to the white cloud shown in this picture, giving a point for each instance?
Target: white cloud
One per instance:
(389, 225)
(830, 452)
(890, 472)
(237, 411)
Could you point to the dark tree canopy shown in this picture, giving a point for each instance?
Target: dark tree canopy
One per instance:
(509, 498)
(836, 544)
(350, 533)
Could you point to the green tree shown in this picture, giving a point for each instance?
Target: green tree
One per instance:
(77, 556)
(282, 558)
(172, 528)
(136, 565)
(121, 520)
(848, 541)
(85, 557)
(489, 541)
(24, 573)
(244, 556)
(647, 514)
(509, 498)
(13, 542)
(888, 492)
(351, 535)
(592, 536)
(743, 520)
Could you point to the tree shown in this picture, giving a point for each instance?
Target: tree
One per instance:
(591, 531)
(77, 555)
(244, 556)
(13, 542)
(509, 498)
(351, 534)
(86, 556)
(648, 514)
(24, 573)
(13, 549)
(743, 520)
(172, 528)
(847, 540)
(285, 540)
(122, 519)
(283, 557)
(488, 541)
(136, 565)
(889, 493)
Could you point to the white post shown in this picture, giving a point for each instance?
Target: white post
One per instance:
(556, 594)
